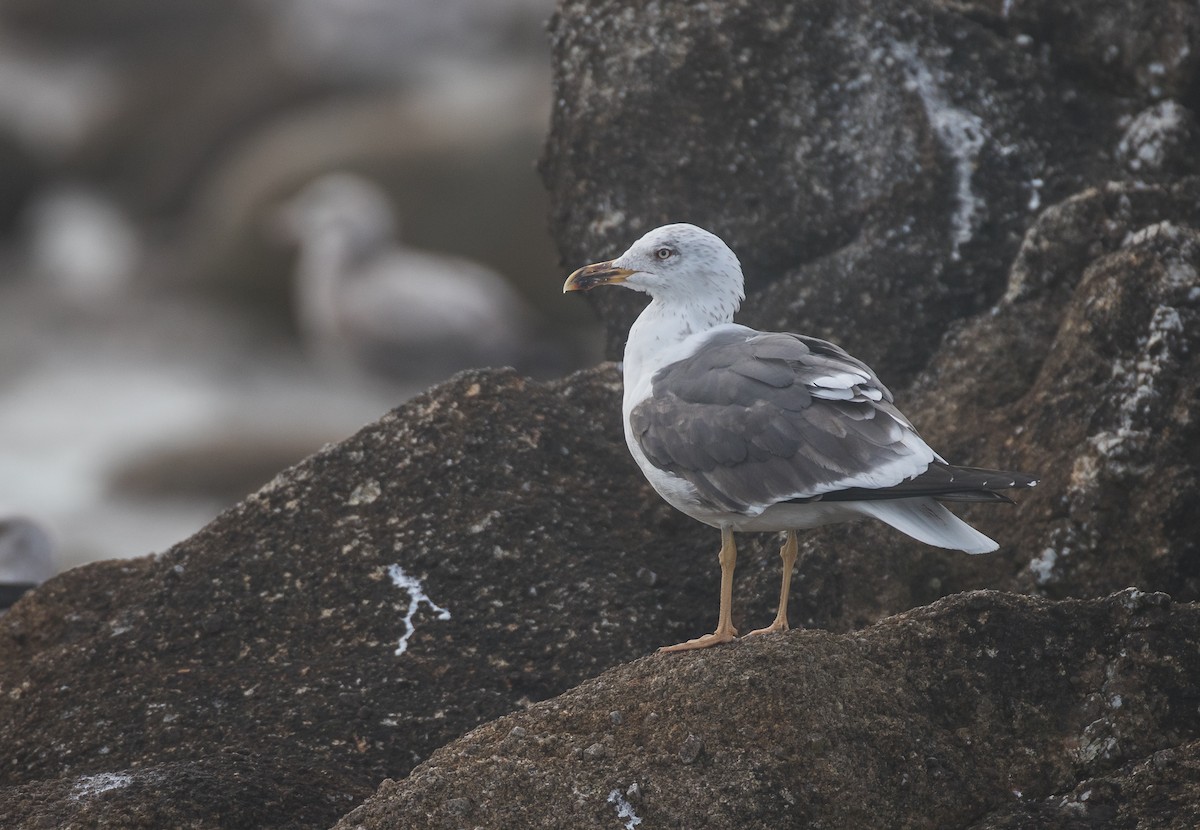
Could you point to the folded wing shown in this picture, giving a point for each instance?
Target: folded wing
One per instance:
(755, 419)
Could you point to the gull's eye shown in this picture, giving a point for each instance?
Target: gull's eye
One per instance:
(664, 253)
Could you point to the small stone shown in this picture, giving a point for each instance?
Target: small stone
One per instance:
(517, 732)
(595, 752)
(616, 717)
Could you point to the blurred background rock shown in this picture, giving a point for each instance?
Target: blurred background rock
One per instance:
(152, 367)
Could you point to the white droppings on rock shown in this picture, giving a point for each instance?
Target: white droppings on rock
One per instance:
(1164, 230)
(87, 786)
(1141, 387)
(962, 134)
(624, 809)
(1131, 598)
(416, 596)
(1043, 566)
(1035, 194)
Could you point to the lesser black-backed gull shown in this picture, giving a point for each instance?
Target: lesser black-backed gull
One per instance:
(747, 430)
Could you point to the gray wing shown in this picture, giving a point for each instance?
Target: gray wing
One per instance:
(755, 419)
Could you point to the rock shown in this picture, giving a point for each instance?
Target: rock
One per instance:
(1101, 323)
(747, 119)
(1131, 48)
(874, 165)
(976, 711)
(300, 632)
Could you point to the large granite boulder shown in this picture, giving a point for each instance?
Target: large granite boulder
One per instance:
(874, 164)
(983, 710)
(484, 546)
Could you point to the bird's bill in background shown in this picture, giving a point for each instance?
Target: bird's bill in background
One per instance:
(600, 273)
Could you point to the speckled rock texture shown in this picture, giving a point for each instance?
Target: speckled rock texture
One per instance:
(996, 204)
(982, 710)
(248, 677)
(874, 164)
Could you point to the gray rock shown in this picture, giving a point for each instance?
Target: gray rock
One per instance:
(1163, 138)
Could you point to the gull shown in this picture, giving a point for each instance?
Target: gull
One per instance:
(747, 430)
(364, 298)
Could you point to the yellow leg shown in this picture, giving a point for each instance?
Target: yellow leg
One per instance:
(725, 630)
(788, 553)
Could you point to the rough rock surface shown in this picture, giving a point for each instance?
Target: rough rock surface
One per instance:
(253, 667)
(874, 164)
(983, 710)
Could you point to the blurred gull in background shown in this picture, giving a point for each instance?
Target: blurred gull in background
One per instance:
(150, 374)
(364, 299)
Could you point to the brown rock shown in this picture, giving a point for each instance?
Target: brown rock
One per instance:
(971, 712)
(270, 637)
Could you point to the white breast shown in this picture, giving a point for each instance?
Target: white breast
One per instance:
(653, 344)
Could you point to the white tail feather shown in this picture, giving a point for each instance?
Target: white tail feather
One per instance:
(930, 522)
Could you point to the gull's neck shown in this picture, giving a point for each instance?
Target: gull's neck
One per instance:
(327, 257)
(657, 336)
(322, 259)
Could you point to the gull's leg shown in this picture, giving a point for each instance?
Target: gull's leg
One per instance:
(725, 630)
(788, 552)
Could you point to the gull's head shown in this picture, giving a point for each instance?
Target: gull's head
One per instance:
(676, 265)
(339, 207)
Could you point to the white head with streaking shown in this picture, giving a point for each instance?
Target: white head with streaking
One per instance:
(747, 430)
(695, 284)
(681, 266)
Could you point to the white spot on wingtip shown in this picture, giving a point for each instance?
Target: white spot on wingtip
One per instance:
(416, 596)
